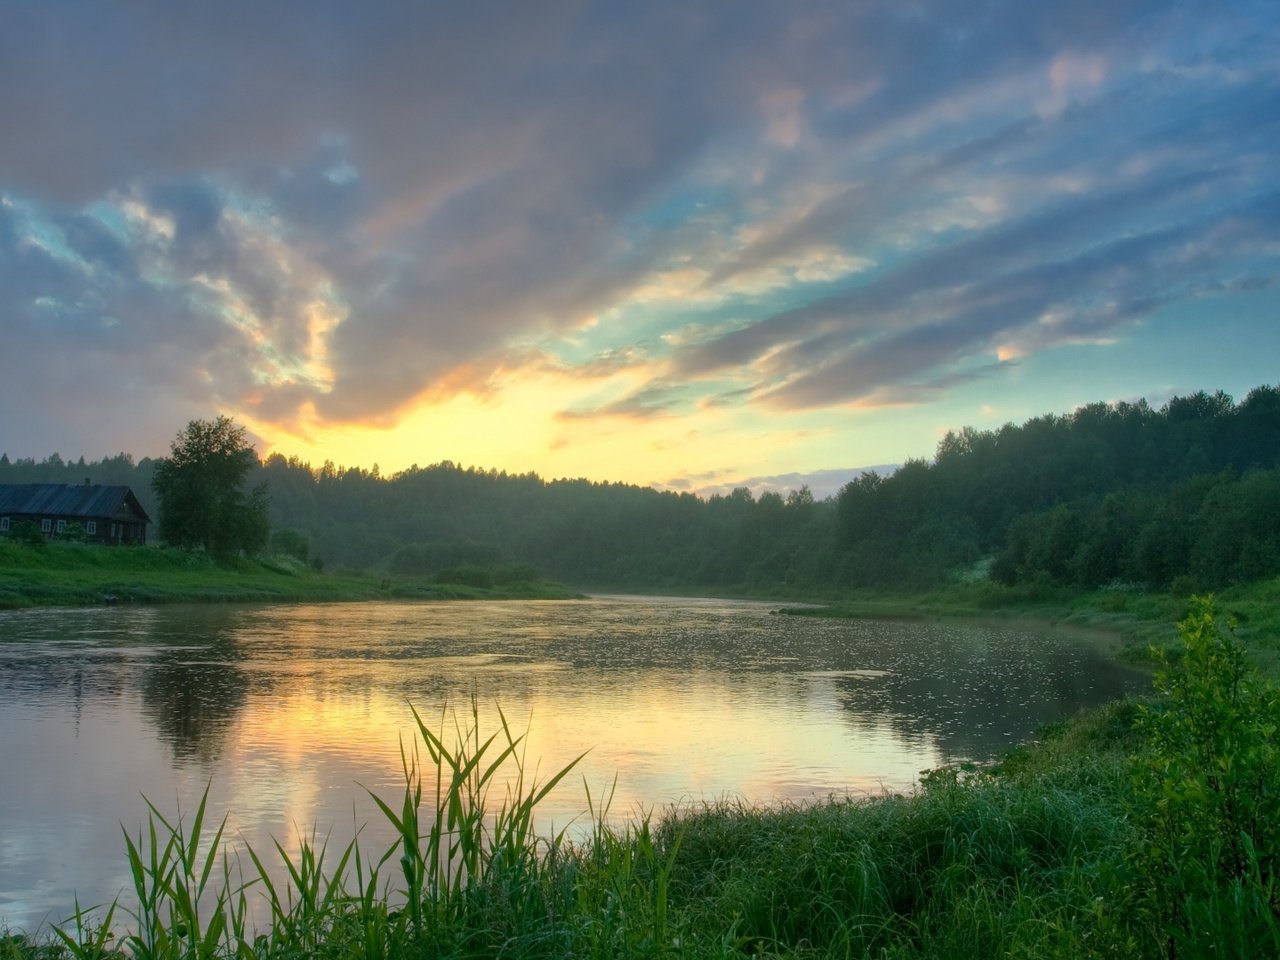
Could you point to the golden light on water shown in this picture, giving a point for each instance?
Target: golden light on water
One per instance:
(669, 739)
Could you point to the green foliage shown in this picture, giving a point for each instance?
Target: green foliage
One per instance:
(74, 533)
(1206, 798)
(497, 575)
(468, 876)
(202, 503)
(171, 874)
(422, 559)
(1112, 493)
(468, 575)
(27, 533)
(291, 543)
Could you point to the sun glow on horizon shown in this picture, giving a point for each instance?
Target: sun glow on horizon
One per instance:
(521, 427)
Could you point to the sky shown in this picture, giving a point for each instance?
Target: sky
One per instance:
(686, 244)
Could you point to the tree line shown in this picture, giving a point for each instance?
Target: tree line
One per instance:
(1110, 494)
(1184, 496)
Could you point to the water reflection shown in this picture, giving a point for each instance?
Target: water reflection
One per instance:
(194, 694)
(292, 712)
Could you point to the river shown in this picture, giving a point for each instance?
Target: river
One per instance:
(289, 714)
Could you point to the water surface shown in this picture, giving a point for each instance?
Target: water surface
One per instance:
(289, 713)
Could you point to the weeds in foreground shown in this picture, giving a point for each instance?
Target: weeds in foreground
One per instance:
(1206, 794)
(1143, 831)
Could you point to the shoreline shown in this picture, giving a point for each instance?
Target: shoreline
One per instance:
(1132, 621)
(71, 575)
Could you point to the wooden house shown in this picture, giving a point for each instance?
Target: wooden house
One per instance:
(106, 514)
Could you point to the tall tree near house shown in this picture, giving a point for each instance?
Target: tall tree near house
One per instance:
(203, 503)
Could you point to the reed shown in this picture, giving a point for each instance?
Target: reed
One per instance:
(468, 875)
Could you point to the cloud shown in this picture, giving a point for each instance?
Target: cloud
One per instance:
(1070, 75)
(977, 296)
(76, 317)
(329, 213)
(821, 483)
(656, 400)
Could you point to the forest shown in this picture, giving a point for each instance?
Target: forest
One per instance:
(1182, 497)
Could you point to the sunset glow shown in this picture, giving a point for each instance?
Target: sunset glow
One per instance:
(687, 246)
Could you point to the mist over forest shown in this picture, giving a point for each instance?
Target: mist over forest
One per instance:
(1186, 496)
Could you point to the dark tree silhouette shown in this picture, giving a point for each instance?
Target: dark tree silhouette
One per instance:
(200, 487)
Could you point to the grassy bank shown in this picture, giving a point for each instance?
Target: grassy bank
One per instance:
(1133, 618)
(69, 574)
(1138, 619)
(1141, 830)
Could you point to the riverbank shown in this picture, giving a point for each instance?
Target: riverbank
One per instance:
(69, 574)
(1132, 621)
(1138, 620)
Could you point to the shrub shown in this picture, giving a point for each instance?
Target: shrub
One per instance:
(74, 533)
(28, 533)
(423, 559)
(1206, 797)
(467, 575)
(497, 575)
(291, 543)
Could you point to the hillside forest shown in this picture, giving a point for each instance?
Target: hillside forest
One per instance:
(1185, 497)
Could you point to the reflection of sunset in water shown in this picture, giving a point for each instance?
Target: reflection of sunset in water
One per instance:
(703, 736)
(288, 714)
(668, 739)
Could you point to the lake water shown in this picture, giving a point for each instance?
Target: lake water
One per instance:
(289, 712)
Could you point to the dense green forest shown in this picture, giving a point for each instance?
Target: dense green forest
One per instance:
(1186, 496)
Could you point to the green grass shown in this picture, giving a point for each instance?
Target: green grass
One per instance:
(69, 574)
(986, 867)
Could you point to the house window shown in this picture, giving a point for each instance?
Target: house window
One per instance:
(62, 526)
(4, 524)
(91, 527)
(113, 531)
(46, 526)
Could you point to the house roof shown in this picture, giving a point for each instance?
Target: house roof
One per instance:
(67, 500)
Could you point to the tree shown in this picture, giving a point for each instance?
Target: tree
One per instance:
(200, 485)
(291, 543)
(28, 534)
